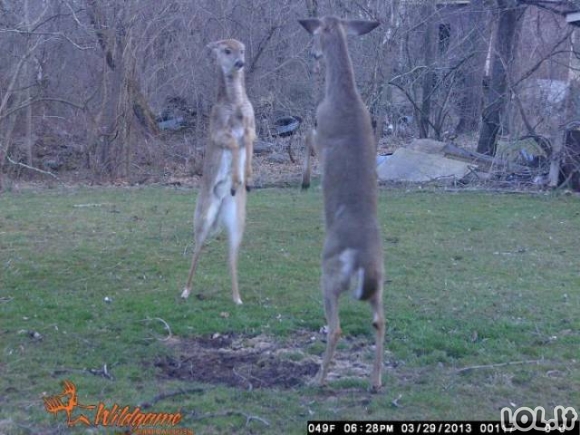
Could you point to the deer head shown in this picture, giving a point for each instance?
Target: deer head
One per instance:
(229, 55)
(328, 28)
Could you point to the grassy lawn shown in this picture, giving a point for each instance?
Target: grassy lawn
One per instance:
(482, 303)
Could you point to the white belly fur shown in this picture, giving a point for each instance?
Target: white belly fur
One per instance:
(242, 164)
(223, 180)
(238, 133)
(226, 204)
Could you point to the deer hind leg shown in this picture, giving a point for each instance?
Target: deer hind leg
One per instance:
(233, 215)
(205, 223)
(196, 253)
(333, 283)
(376, 302)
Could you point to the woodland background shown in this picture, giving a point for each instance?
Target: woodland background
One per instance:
(121, 90)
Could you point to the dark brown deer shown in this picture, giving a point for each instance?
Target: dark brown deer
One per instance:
(352, 256)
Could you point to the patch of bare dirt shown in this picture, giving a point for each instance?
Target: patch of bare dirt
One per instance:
(260, 361)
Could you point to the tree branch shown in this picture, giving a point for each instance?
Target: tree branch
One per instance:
(539, 63)
(492, 366)
(40, 100)
(249, 418)
(164, 396)
(261, 46)
(32, 168)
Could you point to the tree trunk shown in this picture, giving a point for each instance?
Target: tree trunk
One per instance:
(122, 101)
(429, 77)
(560, 142)
(471, 95)
(5, 141)
(496, 95)
(112, 116)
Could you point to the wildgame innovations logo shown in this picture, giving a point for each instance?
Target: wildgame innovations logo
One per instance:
(525, 419)
(113, 417)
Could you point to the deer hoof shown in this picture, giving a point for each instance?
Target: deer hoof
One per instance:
(318, 380)
(185, 293)
(375, 389)
(248, 188)
(238, 301)
(313, 382)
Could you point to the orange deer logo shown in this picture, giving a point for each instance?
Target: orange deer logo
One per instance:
(54, 404)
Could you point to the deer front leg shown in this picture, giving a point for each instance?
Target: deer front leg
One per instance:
(236, 182)
(249, 138)
(310, 137)
(228, 142)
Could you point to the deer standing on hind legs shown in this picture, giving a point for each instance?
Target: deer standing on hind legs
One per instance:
(228, 161)
(353, 254)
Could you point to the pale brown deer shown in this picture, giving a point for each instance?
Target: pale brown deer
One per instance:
(352, 256)
(228, 161)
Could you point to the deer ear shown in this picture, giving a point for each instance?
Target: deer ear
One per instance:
(213, 46)
(310, 24)
(359, 27)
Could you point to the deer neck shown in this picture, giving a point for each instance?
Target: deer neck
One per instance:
(231, 87)
(340, 81)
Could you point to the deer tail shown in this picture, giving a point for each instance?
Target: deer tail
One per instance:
(369, 279)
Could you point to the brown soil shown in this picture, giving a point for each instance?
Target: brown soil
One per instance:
(257, 362)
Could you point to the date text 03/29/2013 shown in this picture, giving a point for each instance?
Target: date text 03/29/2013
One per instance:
(420, 427)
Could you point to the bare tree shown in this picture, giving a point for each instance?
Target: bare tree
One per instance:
(496, 92)
(26, 30)
(117, 88)
(438, 67)
(470, 88)
(428, 82)
(122, 102)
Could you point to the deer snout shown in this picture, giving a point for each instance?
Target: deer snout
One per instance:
(239, 64)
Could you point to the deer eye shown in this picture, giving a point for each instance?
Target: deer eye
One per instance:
(227, 51)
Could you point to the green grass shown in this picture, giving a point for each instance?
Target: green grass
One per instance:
(473, 279)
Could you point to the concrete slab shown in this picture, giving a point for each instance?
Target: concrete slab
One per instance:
(416, 166)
